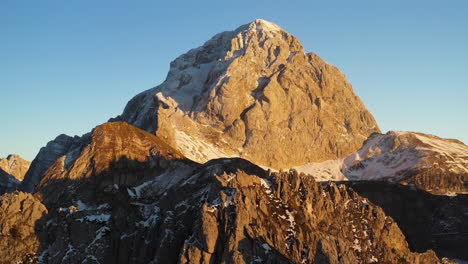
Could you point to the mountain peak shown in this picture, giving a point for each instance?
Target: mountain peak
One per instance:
(263, 25)
(243, 91)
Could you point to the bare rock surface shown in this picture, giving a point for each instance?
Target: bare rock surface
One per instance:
(20, 215)
(428, 221)
(254, 93)
(140, 201)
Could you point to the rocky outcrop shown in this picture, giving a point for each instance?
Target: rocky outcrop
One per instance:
(288, 218)
(47, 156)
(428, 221)
(254, 93)
(15, 166)
(20, 224)
(224, 212)
(140, 201)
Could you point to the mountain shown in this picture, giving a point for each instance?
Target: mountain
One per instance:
(128, 197)
(254, 93)
(15, 166)
(189, 173)
(232, 97)
(427, 162)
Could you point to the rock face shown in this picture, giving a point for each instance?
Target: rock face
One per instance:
(254, 93)
(20, 224)
(15, 166)
(140, 201)
(427, 162)
(8, 183)
(428, 221)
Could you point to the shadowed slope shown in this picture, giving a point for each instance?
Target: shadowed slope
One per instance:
(128, 197)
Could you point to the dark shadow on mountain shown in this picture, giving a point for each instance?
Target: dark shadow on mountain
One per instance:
(428, 221)
(62, 230)
(109, 187)
(253, 251)
(8, 183)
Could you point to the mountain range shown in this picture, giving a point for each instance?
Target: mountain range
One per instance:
(251, 151)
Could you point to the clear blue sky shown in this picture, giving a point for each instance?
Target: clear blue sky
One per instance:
(67, 66)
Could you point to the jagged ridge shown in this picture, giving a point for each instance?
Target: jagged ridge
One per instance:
(155, 206)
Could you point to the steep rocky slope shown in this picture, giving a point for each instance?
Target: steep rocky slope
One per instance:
(254, 93)
(428, 221)
(428, 162)
(140, 201)
(15, 166)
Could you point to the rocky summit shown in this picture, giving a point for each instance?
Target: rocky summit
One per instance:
(254, 93)
(251, 151)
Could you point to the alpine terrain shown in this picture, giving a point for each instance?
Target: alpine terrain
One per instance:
(251, 151)
(12, 171)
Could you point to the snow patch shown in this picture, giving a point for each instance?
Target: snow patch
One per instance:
(196, 148)
(101, 218)
(379, 158)
(266, 247)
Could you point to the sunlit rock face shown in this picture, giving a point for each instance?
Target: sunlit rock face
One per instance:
(21, 222)
(254, 93)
